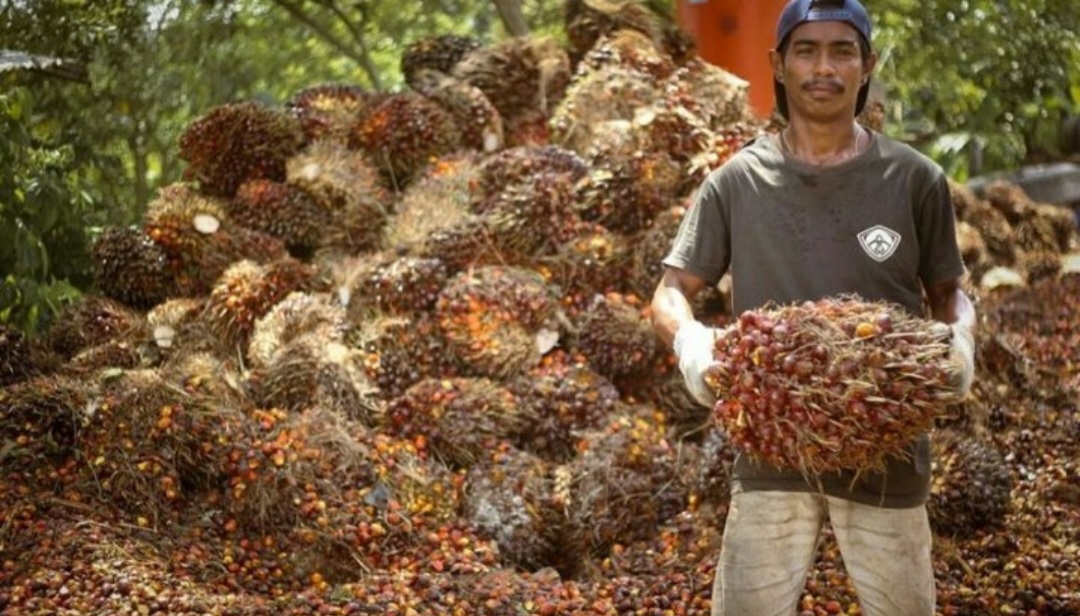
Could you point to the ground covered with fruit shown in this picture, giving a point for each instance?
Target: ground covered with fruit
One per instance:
(389, 353)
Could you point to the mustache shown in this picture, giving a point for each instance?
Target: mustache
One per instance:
(829, 84)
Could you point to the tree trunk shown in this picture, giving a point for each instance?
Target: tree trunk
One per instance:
(510, 11)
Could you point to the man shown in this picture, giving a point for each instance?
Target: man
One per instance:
(824, 208)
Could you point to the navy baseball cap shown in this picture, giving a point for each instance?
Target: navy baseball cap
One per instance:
(798, 12)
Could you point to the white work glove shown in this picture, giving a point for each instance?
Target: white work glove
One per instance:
(694, 348)
(963, 356)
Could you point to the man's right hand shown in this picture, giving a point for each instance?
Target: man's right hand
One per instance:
(694, 347)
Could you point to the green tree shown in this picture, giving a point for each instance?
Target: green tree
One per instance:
(990, 76)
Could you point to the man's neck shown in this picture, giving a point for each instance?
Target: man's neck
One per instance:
(824, 144)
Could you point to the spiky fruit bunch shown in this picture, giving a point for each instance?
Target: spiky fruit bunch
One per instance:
(328, 111)
(616, 338)
(568, 400)
(457, 419)
(1040, 265)
(403, 285)
(405, 133)
(90, 321)
(531, 218)
(237, 142)
(594, 262)
(717, 96)
(518, 75)
(840, 383)
(520, 164)
(314, 371)
(612, 94)
(480, 124)
(498, 321)
(17, 356)
(1010, 200)
(42, 420)
(588, 21)
(439, 199)
(625, 482)
(130, 267)
(438, 53)
(281, 210)
(528, 129)
(199, 240)
(348, 188)
(247, 290)
(1037, 233)
(510, 498)
(631, 49)
(972, 249)
(971, 486)
(995, 230)
(400, 352)
(723, 143)
(625, 194)
(298, 315)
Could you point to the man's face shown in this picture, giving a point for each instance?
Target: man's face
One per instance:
(822, 70)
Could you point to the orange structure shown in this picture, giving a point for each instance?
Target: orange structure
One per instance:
(736, 35)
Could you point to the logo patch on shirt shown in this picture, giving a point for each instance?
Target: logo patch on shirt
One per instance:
(879, 242)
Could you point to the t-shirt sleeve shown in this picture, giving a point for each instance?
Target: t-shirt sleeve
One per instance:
(702, 246)
(941, 259)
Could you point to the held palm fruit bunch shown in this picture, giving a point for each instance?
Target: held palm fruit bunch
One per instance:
(438, 53)
(328, 111)
(91, 321)
(625, 482)
(616, 339)
(402, 351)
(131, 268)
(498, 321)
(247, 290)
(280, 210)
(199, 240)
(457, 420)
(510, 497)
(237, 142)
(568, 399)
(348, 189)
(480, 124)
(840, 383)
(403, 134)
(520, 75)
(971, 486)
(601, 101)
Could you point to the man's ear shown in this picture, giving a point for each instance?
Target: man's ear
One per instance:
(868, 66)
(777, 62)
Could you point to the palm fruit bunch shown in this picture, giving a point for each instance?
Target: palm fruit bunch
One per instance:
(19, 356)
(405, 133)
(723, 144)
(402, 285)
(130, 267)
(118, 353)
(248, 290)
(568, 400)
(437, 200)
(328, 111)
(237, 142)
(600, 101)
(670, 127)
(438, 53)
(298, 315)
(518, 164)
(840, 383)
(518, 75)
(594, 261)
(457, 420)
(480, 124)
(616, 338)
(174, 324)
(531, 218)
(90, 321)
(41, 423)
(626, 481)
(625, 192)
(200, 242)
(994, 227)
(588, 21)
(347, 187)
(630, 49)
(509, 497)
(280, 210)
(712, 93)
(528, 129)
(498, 321)
(971, 485)
(401, 351)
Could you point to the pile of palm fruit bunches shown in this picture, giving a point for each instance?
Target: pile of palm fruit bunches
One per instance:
(389, 353)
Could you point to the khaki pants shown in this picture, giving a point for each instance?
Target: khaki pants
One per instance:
(770, 540)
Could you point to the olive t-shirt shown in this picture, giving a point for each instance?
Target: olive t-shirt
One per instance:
(880, 225)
